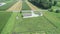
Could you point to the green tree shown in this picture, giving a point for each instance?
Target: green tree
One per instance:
(57, 11)
(55, 2)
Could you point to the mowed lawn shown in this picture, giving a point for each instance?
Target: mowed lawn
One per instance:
(4, 17)
(46, 24)
(54, 18)
(33, 25)
(7, 5)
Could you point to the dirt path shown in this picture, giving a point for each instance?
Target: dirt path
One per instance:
(32, 6)
(16, 7)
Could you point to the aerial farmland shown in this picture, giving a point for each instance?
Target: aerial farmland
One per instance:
(29, 16)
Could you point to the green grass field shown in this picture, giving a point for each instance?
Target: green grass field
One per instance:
(34, 25)
(46, 23)
(49, 23)
(30, 25)
(7, 5)
(10, 24)
(38, 24)
(4, 17)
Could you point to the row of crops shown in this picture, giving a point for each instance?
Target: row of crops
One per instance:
(48, 24)
(33, 25)
(4, 17)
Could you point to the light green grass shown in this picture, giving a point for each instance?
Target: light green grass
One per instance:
(25, 6)
(38, 24)
(31, 25)
(10, 24)
(54, 18)
(4, 17)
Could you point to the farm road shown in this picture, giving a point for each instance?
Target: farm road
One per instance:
(16, 7)
(32, 6)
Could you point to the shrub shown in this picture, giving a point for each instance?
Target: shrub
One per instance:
(51, 10)
(55, 2)
(57, 11)
(58, 4)
(20, 11)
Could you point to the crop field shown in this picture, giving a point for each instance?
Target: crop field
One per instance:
(4, 17)
(38, 24)
(55, 15)
(8, 4)
(14, 23)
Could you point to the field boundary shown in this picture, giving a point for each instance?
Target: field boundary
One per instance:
(10, 24)
(16, 7)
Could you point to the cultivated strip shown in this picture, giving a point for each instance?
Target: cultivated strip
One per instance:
(16, 7)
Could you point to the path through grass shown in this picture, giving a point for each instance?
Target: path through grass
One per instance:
(10, 24)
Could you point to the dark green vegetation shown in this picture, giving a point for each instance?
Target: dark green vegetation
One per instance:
(54, 9)
(57, 11)
(4, 17)
(43, 3)
(7, 5)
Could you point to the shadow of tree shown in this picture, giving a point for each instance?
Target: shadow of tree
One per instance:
(39, 5)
